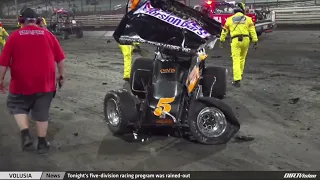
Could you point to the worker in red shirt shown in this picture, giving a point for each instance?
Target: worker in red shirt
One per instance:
(32, 54)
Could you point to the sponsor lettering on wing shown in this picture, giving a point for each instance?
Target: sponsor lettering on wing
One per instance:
(173, 20)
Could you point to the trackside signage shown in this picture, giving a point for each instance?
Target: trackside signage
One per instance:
(172, 19)
(299, 176)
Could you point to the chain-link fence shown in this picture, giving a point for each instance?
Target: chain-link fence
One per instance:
(92, 7)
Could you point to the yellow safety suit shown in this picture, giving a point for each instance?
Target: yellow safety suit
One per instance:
(128, 49)
(239, 25)
(43, 23)
(127, 60)
(3, 33)
(19, 25)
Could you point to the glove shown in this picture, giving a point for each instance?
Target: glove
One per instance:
(255, 45)
(221, 44)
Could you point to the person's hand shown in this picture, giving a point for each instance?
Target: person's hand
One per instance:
(221, 44)
(2, 87)
(255, 45)
(60, 80)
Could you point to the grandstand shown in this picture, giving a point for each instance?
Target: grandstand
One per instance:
(80, 6)
(88, 7)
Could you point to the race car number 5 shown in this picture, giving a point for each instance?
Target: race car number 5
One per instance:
(163, 106)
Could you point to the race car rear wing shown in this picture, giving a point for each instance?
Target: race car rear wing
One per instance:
(156, 22)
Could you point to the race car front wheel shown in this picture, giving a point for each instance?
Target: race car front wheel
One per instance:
(119, 110)
(208, 124)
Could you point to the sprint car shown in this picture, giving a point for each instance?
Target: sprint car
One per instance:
(175, 89)
(63, 23)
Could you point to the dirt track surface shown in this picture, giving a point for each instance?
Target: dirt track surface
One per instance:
(286, 66)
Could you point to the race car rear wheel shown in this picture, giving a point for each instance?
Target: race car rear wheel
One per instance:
(119, 109)
(65, 35)
(208, 124)
(141, 74)
(214, 82)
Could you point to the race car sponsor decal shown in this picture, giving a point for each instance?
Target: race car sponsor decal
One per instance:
(163, 106)
(125, 39)
(167, 70)
(172, 19)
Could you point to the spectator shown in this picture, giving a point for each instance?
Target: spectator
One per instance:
(31, 53)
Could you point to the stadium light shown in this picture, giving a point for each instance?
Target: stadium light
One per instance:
(208, 2)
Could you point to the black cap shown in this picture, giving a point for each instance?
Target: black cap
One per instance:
(29, 13)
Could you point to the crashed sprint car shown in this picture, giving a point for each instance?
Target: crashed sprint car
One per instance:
(175, 89)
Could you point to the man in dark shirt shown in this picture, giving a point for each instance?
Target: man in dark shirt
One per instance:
(31, 53)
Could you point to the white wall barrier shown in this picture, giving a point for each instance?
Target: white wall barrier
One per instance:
(290, 15)
(298, 15)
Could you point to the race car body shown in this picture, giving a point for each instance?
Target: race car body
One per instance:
(175, 89)
(265, 20)
(63, 22)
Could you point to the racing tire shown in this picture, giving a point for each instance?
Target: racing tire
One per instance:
(141, 74)
(65, 35)
(79, 33)
(218, 76)
(195, 113)
(119, 104)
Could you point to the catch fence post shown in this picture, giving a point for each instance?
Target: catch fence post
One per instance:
(81, 6)
(16, 6)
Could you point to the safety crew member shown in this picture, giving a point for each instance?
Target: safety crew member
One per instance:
(241, 28)
(128, 49)
(3, 33)
(19, 25)
(43, 23)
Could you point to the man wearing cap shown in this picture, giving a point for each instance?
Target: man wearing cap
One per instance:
(40, 22)
(32, 54)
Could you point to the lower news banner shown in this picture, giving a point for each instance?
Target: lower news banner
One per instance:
(194, 175)
(144, 175)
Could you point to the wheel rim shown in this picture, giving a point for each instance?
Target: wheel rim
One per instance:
(113, 112)
(211, 122)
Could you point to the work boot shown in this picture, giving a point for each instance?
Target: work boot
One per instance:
(236, 83)
(26, 140)
(126, 79)
(43, 146)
